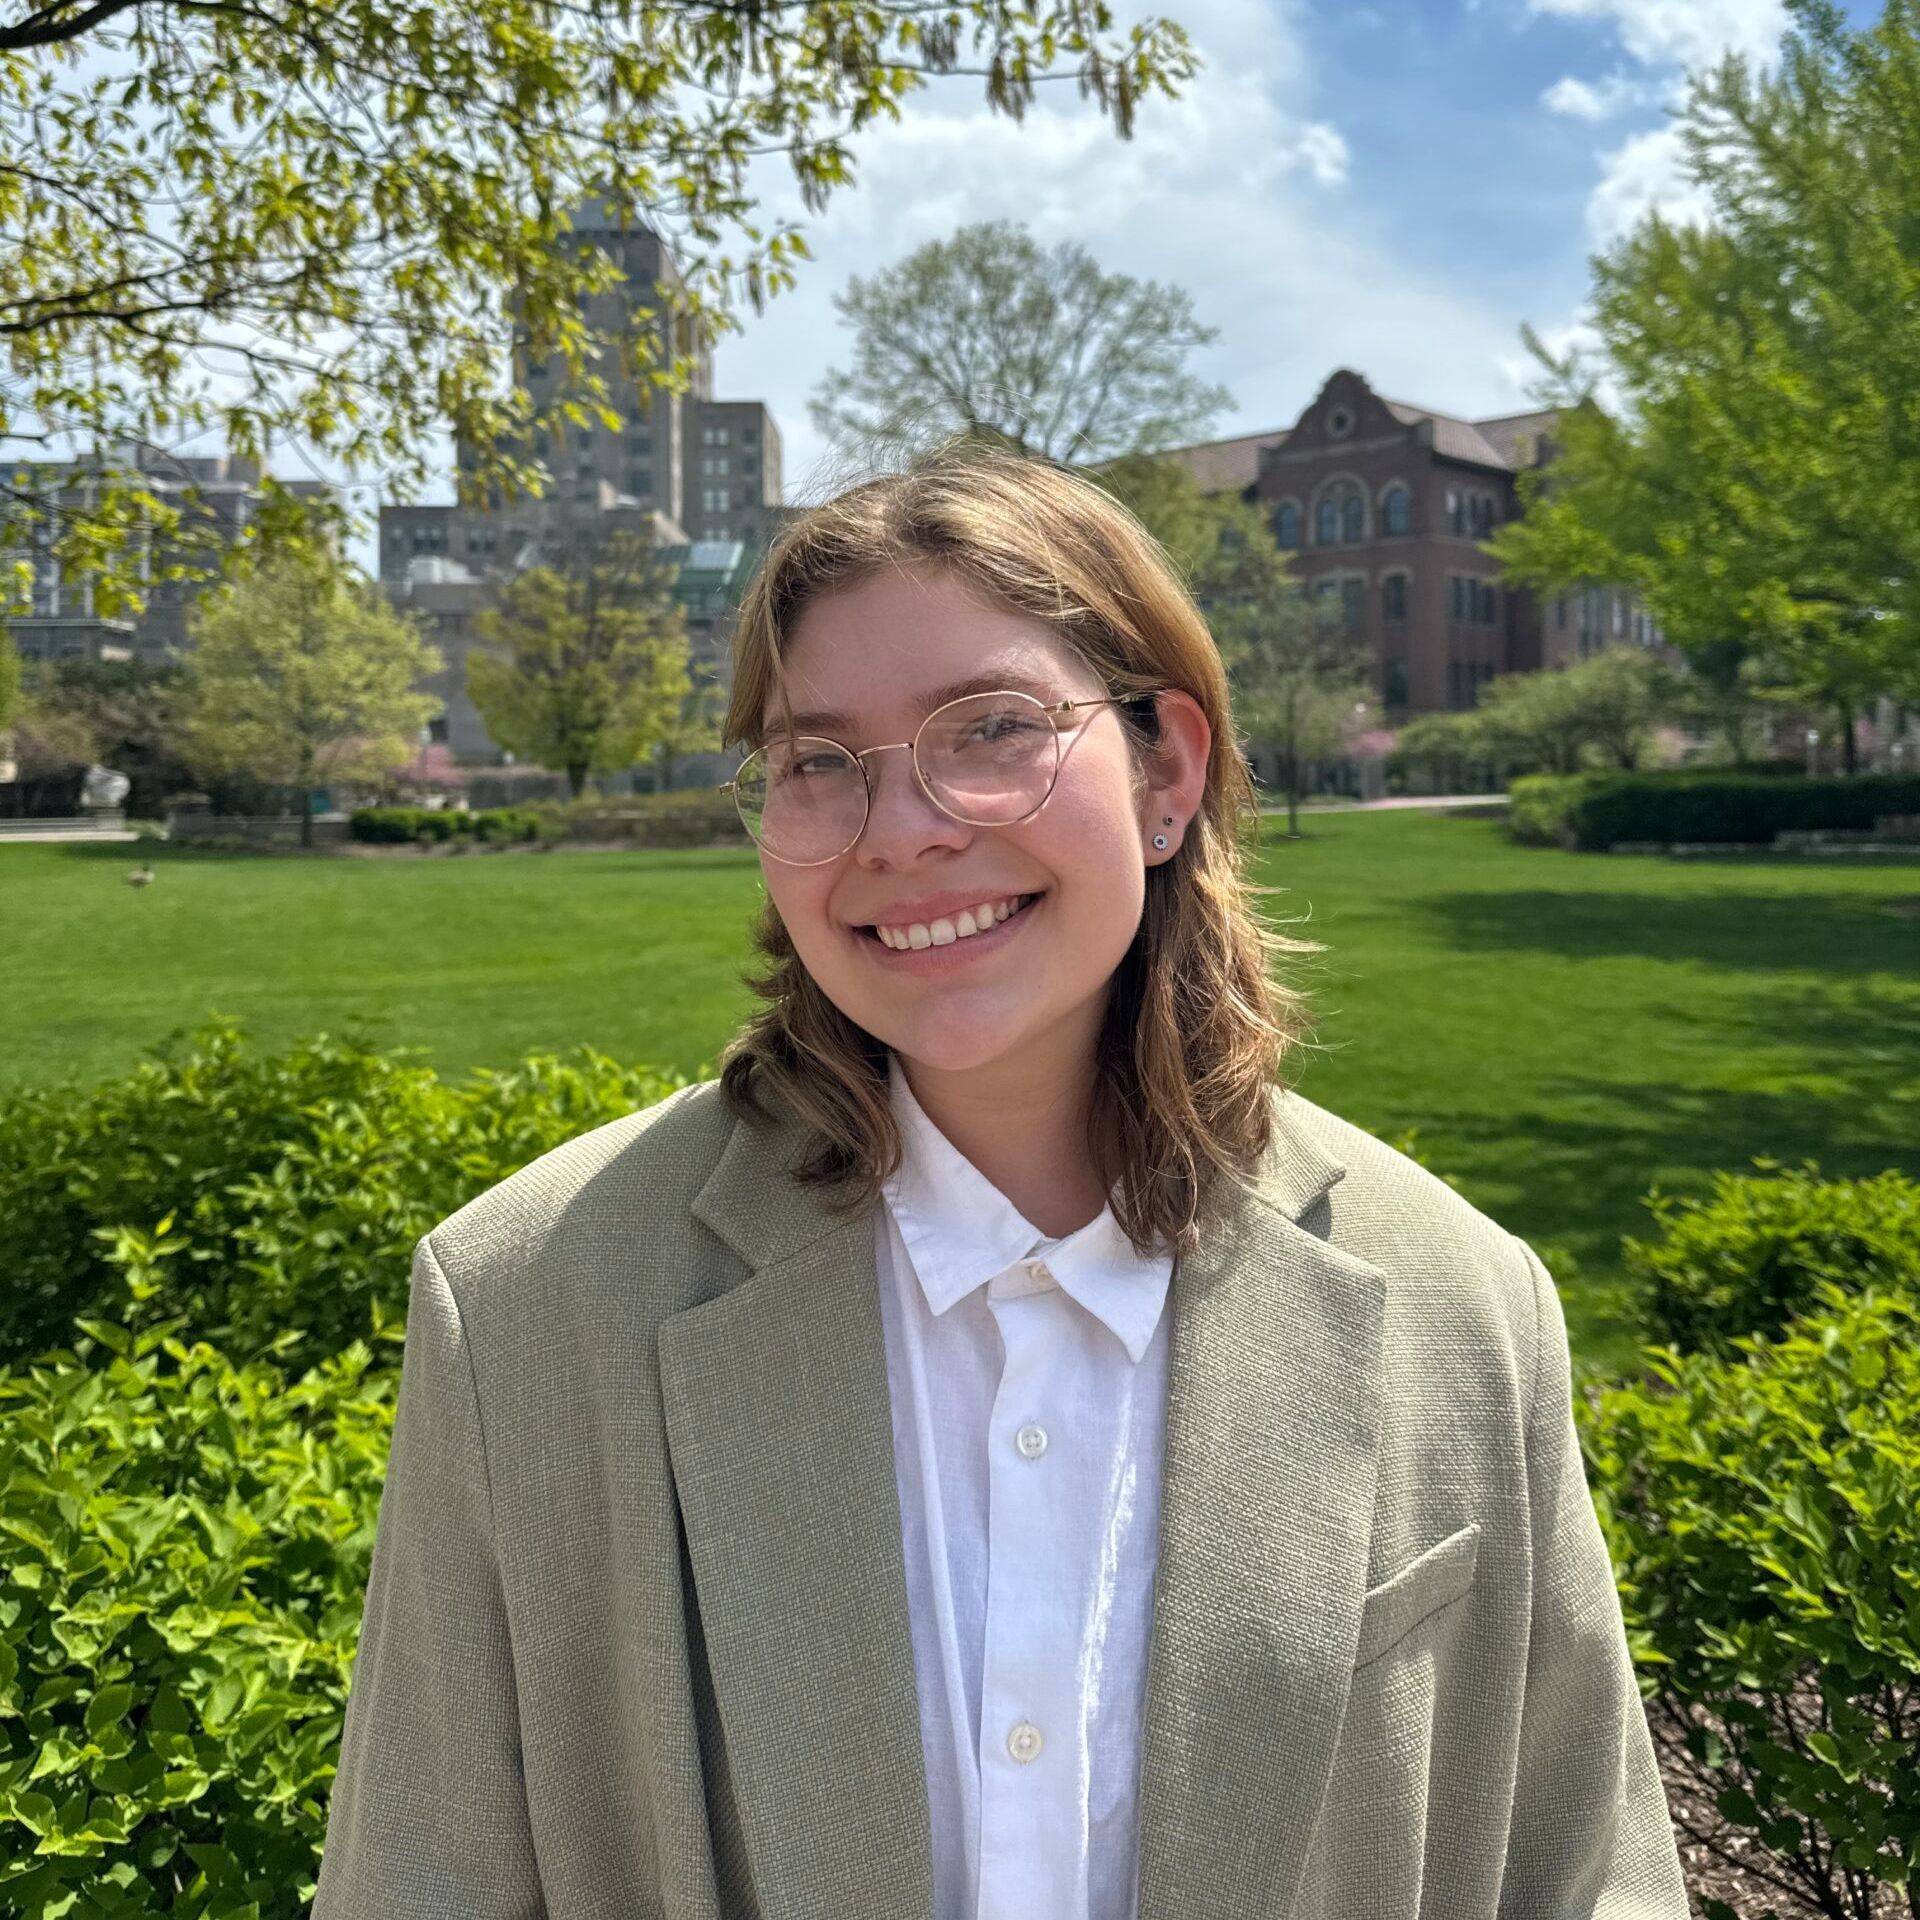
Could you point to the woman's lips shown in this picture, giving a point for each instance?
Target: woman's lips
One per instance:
(956, 951)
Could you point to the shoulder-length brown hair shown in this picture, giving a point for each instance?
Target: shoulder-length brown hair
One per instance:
(1196, 1028)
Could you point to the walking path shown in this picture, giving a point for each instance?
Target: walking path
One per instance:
(1397, 800)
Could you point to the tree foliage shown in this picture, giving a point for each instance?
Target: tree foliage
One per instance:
(9, 682)
(302, 671)
(1758, 483)
(594, 670)
(984, 333)
(1601, 711)
(325, 224)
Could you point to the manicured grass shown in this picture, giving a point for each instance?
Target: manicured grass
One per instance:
(1560, 1030)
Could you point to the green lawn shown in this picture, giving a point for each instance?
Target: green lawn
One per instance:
(1560, 1029)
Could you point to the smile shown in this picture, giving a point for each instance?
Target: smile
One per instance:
(945, 941)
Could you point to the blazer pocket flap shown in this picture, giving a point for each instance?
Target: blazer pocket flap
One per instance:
(1396, 1606)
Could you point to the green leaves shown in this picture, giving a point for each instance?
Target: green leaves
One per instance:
(1760, 484)
(362, 205)
(1759, 1511)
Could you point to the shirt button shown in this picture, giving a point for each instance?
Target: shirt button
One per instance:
(1031, 1440)
(1024, 1741)
(1037, 1270)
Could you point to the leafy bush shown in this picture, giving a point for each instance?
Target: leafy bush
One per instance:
(186, 1551)
(255, 1194)
(404, 826)
(1593, 811)
(683, 817)
(1752, 1256)
(1761, 1517)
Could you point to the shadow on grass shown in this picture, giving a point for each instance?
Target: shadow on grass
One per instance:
(1573, 1168)
(1738, 932)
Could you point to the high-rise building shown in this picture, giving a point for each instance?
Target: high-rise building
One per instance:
(701, 476)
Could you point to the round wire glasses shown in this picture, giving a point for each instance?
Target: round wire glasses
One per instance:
(987, 760)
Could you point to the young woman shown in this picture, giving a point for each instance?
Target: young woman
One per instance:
(994, 1454)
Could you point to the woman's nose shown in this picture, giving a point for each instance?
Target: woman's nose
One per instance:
(900, 816)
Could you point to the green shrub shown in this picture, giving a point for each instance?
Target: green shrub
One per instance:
(1752, 1256)
(186, 1547)
(256, 1193)
(1593, 811)
(1761, 1518)
(683, 817)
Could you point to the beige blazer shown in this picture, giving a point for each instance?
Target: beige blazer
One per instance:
(636, 1636)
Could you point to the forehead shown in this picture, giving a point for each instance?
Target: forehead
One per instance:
(877, 654)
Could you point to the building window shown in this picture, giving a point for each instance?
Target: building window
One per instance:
(1456, 597)
(1352, 604)
(1286, 524)
(1340, 422)
(1396, 510)
(1341, 515)
(1396, 683)
(1393, 597)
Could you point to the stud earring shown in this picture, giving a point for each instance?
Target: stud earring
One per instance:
(1160, 841)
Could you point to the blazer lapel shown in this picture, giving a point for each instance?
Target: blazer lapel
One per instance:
(1273, 1417)
(780, 1431)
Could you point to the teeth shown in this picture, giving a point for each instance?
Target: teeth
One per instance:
(944, 932)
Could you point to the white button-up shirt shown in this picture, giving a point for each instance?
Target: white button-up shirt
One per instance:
(1028, 1379)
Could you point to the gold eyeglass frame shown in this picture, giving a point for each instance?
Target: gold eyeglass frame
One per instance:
(913, 748)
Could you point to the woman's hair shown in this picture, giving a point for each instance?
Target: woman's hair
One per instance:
(1196, 1028)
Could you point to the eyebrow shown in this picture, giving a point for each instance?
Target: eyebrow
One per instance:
(820, 718)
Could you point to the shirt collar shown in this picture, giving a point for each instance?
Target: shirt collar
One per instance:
(961, 1232)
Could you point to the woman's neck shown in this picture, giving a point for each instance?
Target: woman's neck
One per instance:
(1024, 1127)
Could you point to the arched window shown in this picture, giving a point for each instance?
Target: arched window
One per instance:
(1286, 524)
(1396, 510)
(1341, 515)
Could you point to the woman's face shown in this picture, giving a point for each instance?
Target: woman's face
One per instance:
(864, 666)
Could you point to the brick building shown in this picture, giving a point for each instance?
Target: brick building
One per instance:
(1383, 507)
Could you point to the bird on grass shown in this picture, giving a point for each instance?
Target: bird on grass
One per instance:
(140, 876)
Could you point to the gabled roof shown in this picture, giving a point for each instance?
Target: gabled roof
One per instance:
(1504, 440)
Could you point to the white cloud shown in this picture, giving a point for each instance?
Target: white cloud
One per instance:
(1582, 100)
(1645, 174)
(1237, 192)
(1683, 33)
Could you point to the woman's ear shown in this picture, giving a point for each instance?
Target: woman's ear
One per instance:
(1176, 774)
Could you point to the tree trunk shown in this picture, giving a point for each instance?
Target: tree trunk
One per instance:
(1849, 748)
(1293, 794)
(576, 781)
(306, 812)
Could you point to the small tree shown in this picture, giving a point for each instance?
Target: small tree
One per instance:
(1300, 681)
(595, 670)
(1042, 351)
(302, 671)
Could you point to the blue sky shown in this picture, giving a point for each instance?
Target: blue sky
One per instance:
(1394, 186)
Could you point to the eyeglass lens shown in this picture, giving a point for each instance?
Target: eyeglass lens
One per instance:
(989, 759)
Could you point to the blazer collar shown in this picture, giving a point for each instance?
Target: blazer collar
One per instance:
(779, 1429)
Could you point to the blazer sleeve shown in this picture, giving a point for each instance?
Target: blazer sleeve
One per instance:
(428, 1819)
(1591, 1834)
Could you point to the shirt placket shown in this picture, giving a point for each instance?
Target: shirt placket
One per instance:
(1032, 1758)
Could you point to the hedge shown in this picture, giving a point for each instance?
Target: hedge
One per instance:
(186, 1551)
(1761, 1519)
(401, 826)
(1753, 1255)
(256, 1194)
(1592, 811)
